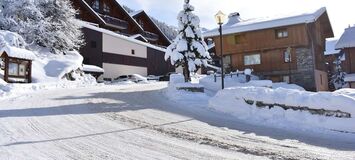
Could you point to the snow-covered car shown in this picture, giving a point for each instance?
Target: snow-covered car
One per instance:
(153, 78)
(166, 77)
(133, 78)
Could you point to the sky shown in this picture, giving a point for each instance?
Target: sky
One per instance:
(341, 12)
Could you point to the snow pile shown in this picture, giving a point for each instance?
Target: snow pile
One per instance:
(211, 85)
(346, 91)
(49, 67)
(92, 68)
(178, 81)
(247, 103)
(287, 86)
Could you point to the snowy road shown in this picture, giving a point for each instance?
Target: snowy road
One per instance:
(138, 122)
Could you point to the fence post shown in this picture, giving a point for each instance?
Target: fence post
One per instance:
(215, 78)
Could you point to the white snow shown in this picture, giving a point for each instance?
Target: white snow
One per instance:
(13, 45)
(347, 40)
(17, 52)
(232, 101)
(92, 68)
(269, 22)
(349, 78)
(330, 47)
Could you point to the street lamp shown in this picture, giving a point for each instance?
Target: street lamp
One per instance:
(220, 17)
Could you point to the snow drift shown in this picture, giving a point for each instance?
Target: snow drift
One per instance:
(267, 106)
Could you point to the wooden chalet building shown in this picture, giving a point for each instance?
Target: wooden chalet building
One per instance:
(282, 49)
(119, 43)
(346, 44)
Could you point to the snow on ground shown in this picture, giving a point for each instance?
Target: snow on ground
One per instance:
(137, 122)
(234, 101)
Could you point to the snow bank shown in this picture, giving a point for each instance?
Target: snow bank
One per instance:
(287, 86)
(234, 101)
(347, 91)
(178, 81)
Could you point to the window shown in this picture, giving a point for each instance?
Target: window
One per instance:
(106, 8)
(13, 69)
(253, 59)
(133, 52)
(2, 63)
(287, 57)
(22, 70)
(321, 79)
(281, 33)
(96, 5)
(235, 39)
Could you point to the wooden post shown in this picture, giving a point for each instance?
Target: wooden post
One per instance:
(29, 67)
(6, 73)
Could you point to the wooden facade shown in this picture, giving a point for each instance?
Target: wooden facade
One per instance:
(20, 72)
(349, 62)
(152, 31)
(109, 14)
(307, 43)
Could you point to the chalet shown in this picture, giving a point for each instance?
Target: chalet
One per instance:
(119, 42)
(346, 44)
(282, 49)
(16, 64)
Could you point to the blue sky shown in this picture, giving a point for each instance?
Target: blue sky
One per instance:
(341, 12)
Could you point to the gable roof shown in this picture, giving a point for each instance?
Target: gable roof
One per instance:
(102, 21)
(347, 40)
(15, 52)
(330, 47)
(111, 33)
(265, 23)
(135, 14)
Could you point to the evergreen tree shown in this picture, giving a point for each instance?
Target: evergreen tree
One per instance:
(188, 49)
(47, 23)
(61, 32)
(339, 75)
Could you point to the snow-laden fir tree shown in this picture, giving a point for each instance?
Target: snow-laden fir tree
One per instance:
(339, 76)
(188, 49)
(61, 32)
(47, 23)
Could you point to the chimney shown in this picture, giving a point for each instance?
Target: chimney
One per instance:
(234, 18)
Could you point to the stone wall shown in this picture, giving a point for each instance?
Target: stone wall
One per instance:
(304, 76)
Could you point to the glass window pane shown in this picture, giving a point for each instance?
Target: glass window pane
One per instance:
(22, 70)
(252, 59)
(13, 69)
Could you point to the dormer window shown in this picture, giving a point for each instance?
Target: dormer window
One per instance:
(106, 8)
(96, 5)
(281, 33)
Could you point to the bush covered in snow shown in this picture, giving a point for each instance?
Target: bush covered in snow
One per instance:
(282, 107)
(189, 49)
(47, 23)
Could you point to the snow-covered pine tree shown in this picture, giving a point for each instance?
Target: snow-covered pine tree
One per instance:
(20, 16)
(188, 49)
(339, 75)
(48, 23)
(60, 31)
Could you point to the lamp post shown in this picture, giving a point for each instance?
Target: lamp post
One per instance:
(220, 16)
(289, 58)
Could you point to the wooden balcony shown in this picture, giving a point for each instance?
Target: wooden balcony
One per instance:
(150, 36)
(114, 22)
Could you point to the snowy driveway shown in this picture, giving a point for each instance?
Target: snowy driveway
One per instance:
(138, 122)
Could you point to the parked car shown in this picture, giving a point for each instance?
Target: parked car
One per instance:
(133, 78)
(166, 77)
(153, 78)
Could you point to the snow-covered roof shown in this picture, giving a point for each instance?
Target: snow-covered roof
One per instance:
(15, 52)
(142, 11)
(349, 78)
(265, 23)
(330, 47)
(89, 26)
(92, 68)
(139, 36)
(135, 13)
(347, 40)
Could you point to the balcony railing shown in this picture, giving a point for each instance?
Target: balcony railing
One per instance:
(115, 22)
(151, 36)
